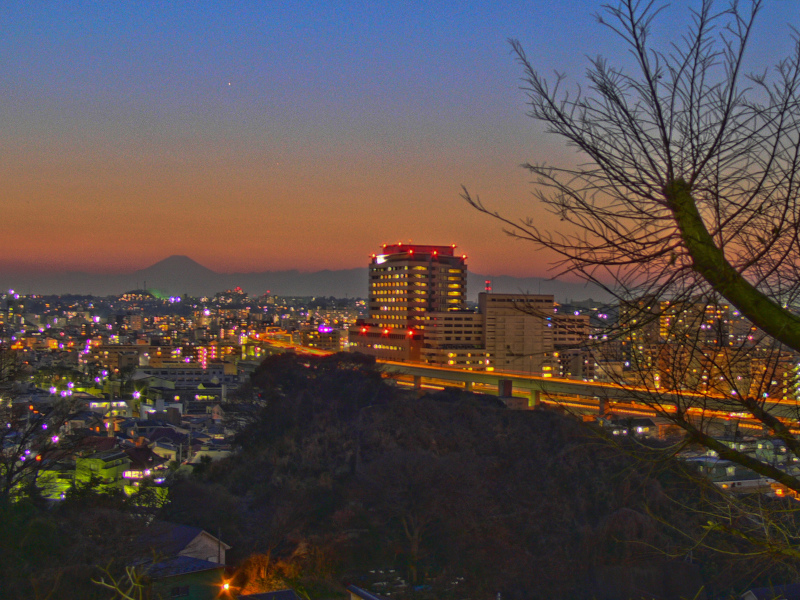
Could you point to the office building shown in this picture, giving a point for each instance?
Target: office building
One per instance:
(518, 332)
(417, 311)
(409, 284)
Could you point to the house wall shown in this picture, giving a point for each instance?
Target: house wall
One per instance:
(518, 332)
(202, 585)
(205, 547)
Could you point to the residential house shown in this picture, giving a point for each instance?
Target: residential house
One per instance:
(106, 468)
(356, 593)
(187, 578)
(779, 592)
(188, 563)
(170, 539)
(277, 595)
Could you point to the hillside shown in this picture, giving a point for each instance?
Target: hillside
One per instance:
(343, 477)
(340, 477)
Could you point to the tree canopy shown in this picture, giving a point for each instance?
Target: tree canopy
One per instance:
(689, 179)
(686, 191)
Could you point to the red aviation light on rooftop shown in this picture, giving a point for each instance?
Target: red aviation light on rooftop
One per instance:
(386, 332)
(416, 249)
(363, 330)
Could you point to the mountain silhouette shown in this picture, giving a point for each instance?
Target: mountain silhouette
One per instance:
(176, 263)
(179, 275)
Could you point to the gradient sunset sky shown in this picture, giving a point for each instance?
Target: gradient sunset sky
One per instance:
(269, 135)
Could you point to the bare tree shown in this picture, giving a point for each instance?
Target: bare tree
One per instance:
(687, 196)
(30, 436)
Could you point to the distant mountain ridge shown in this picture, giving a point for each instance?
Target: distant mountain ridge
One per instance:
(178, 275)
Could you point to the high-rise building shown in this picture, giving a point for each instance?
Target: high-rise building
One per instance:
(455, 339)
(417, 311)
(406, 281)
(408, 285)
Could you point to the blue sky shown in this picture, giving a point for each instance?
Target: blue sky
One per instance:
(271, 135)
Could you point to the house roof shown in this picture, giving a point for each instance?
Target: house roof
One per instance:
(161, 434)
(237, 407)
(85, 415)
(169, 539)
(180, 565)
(279, 595)
(175, 538)
(106, 455)
(143, 457)
(779, 592)
(150, 423)
(364, 594)
(98, 443)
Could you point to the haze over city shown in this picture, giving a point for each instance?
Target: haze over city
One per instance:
(269, 136)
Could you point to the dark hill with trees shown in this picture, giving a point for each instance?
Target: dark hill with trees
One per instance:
(344, 477)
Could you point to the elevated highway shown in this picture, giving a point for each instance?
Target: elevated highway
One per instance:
(585, 396)
(527, 391)
(536, 387)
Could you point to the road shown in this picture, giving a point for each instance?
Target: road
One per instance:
(582, 397)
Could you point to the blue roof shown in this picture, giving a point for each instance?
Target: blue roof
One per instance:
(779, 592)
(364, 594)
(279, 595)
(168, 539)
(180, 565)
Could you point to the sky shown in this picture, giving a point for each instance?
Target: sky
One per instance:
(255, 136)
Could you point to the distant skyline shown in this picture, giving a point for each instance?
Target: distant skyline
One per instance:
(180, 275)
(256, 136)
